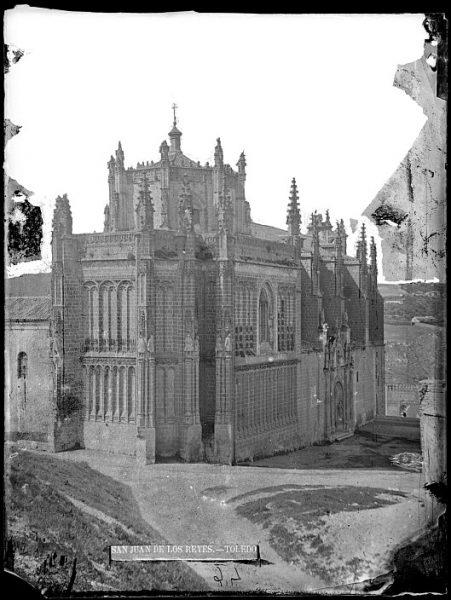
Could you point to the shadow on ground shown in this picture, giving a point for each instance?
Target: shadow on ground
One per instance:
(360, 451)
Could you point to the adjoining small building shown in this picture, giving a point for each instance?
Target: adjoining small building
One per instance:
(186, 329)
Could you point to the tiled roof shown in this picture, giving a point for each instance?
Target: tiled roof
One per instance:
(28, 285)
(31, 308)
(267, 232)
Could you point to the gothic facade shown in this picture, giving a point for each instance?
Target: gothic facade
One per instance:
(186, 329)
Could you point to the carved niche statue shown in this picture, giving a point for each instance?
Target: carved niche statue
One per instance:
(106, 223)
(187, 219)
(142, 344)
(142, 323)
(228, 343)
(151, 344)
(219, 345)
(189, 343)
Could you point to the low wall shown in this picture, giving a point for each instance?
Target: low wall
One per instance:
(117, 438)
(268, 443)
(402, 399)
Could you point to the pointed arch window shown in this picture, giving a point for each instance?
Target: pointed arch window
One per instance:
(263, 317)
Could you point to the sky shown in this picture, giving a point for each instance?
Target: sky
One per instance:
(305, 96)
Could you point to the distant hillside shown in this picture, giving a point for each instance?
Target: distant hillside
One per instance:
(413, 353)
(407, 300)
(390, 289)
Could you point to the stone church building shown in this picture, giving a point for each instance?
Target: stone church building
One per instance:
(186, 329)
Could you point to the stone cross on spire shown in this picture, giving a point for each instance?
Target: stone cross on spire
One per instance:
(174, 108)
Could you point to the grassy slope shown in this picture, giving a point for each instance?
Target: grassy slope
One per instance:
(42, 521)
(297, 522)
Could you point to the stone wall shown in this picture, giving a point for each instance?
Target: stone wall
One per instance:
(400, 398)
(368, 394)
(311, 403)
(116, 438)
(28, 412)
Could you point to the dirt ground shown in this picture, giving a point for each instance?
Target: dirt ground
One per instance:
(323, 517)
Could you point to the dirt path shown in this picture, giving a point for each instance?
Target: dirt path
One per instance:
(201, 503)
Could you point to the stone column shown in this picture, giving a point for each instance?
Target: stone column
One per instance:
(327, 397)
(101, 414)
(145, 418)
(93, 391)
(109, 409)
(224, 441)
(145, 364)
(192, 448)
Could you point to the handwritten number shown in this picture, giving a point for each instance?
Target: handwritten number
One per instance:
(237, 578)
(219, 578)
(216, 578)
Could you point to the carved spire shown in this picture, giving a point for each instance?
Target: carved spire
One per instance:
(144, 208)
(164, 150)
(219, 154)
(363, 245)
(316, 254)
(241, 164)
(339, 241)
(225, 208)
(293, 213)
(120, 156)
(111, 164)
(62, 216)
(373, 256)
(327, 223)
(358, 249)
(106, 222)
(315, 233)
(344, 234)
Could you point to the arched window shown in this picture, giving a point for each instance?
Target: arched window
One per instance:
(263, 317)
(22, 365)
(131, 394)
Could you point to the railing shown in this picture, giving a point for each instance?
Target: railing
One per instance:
(110, 238)
(401, 387)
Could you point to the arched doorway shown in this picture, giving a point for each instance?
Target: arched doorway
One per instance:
(339, 406)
